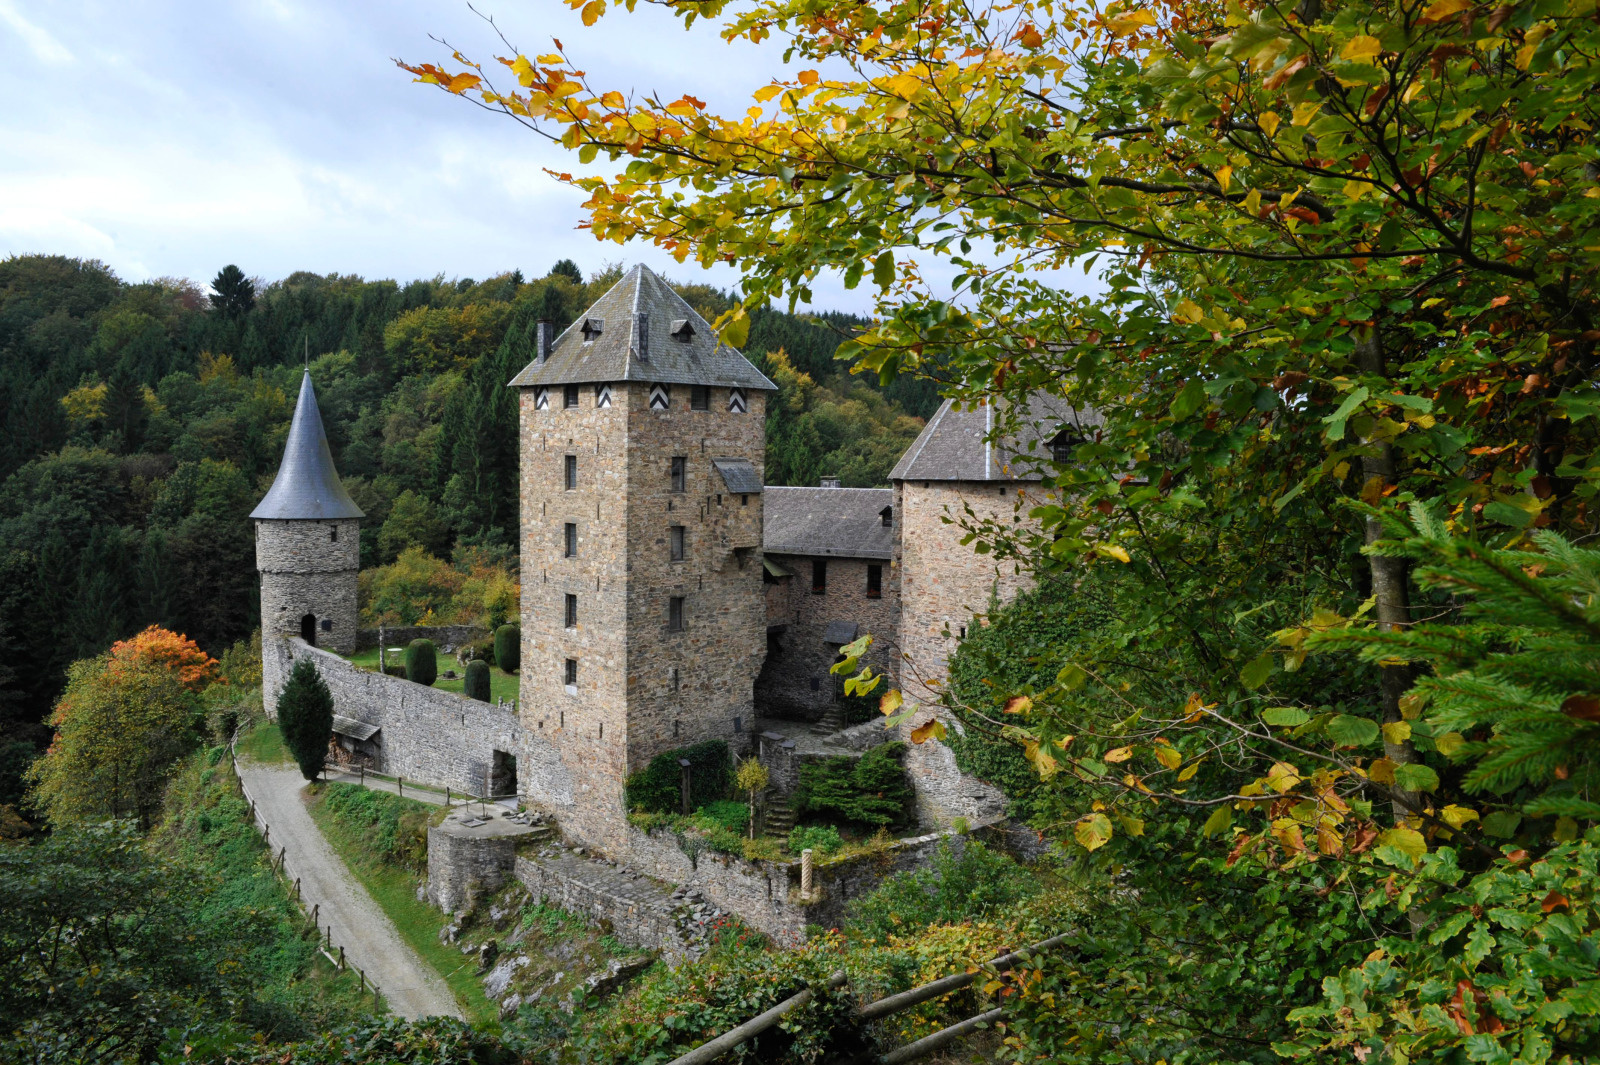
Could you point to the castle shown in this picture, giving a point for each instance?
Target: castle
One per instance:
(669, 596)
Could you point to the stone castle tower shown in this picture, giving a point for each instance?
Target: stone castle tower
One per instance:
(643, 612)
(308, 546)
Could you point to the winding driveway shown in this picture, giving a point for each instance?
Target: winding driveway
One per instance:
(370, 940)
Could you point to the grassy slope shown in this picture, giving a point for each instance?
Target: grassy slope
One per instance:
(371, 831)
(502, 685)
(207, 827)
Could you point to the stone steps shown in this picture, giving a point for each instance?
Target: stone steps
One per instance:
(832, 720)
(779, 819)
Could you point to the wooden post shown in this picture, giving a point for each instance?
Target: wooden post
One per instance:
(363, 774)
(683, 786)
(297, 888)
(400, 782)
(447, 796)
(266, 834)
(362, 974)
(341, 947)
(315, 906)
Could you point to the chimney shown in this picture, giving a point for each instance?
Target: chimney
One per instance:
(644, 335)
(828, 482)
(546, 331)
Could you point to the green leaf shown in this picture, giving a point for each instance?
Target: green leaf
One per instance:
(1502, 824)
(1255, 674)
(1414, 776)
(1506, 514)
(1285, 716)
(1072, 677)
(1347, 730)
(1220, 821)
(883, 270)
(1335, 421)
(1191, 399)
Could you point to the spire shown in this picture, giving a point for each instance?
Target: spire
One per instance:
(307, 487)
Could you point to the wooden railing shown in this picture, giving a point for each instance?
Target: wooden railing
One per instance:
(883, 1007)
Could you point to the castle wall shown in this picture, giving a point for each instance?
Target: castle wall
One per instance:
(943, 583)
(795, 681)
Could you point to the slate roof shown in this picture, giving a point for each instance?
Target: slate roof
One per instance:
(307, 486)
(613, 354)
(739, 475)
(841, 522)
(356, 730)
(840, 632)
(961, 445)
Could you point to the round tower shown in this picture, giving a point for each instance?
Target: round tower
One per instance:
(308, 549)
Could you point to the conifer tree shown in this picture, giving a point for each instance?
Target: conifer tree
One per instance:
(305, 717)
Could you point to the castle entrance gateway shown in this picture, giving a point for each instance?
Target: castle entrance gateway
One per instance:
(308, 629)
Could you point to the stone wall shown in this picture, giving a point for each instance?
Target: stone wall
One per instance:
(459, 864)
(443, 636)
(427, 735)
(638, 918)
(795, 681)
(307, 567)
(943, 585)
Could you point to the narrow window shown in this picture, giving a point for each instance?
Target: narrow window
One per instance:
(572, 611)
(674, 678)
(677, 543)
(333, 534)
(744, 500)
(572, 539)
(874, 582)
(675, 613)
(680, 473)
(819, 576)
(572, 472)
(963, 635)
(699, 397)
(569, 396)
(674, 730)
(571, 676)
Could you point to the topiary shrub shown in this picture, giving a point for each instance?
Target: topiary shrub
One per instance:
(305, 717)
(655, 789)
(476, 685)
(422, 663)
(508, 647)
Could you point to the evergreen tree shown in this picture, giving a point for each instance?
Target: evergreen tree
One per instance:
(232, 293)
(568, 269)
(305, 717)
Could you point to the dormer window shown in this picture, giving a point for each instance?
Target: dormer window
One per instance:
(592, 327)
(887, 514)
(1062, 443)
(681, 330)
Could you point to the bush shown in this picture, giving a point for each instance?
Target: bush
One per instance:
(476, 685)
(871, 790)
(733, 816)
(305, 717)
(476, 651)
(655, 789)
(508, 647)
(762, 849)
(824, 839)
(393, 829)
(970, 886)
(422, 663)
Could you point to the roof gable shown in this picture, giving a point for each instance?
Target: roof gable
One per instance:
(838, 522)
(983, 443)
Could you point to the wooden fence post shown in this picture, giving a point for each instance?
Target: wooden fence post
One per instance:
(400, 782)
(297, 889)
(315, 906)
(341, 947)
(266, 834)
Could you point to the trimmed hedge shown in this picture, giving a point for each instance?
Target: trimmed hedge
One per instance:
(508, 647)
(655, 789)
(476, 684)
(422, 663)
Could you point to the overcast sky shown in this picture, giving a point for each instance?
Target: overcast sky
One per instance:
(171, 137)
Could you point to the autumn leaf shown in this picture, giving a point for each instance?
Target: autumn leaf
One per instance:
(592, 11)
(1362, 49)
(933, 728)
(1092, 831)
(1581, 707)
(1443, 9)
(1018, 704)
(1555, 901)
(891, 701)
(1168, 756)
(1030, 37)
(1120, 754)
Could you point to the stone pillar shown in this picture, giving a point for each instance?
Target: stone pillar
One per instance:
(805, 875)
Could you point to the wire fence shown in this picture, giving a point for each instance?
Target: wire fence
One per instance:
(279, 862)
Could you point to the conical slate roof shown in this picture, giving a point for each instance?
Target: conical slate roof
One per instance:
(603, 345)
(307, 487)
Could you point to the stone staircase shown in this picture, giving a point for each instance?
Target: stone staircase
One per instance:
(779, 819)
(832, 720)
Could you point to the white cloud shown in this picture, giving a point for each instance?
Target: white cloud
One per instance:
(45, 48)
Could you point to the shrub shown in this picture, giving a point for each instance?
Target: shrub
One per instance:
(422, 664)
(763, 849)
(871, 790)
(393, 829)
(975, 884)
(476, 685)
(733, 816)
(655, 789)
(508, 647)
(476, 651)
(305, 717)
(824, 839)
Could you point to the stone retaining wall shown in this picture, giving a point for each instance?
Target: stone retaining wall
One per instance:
(637, 913)
(442, 635)
(458, 865)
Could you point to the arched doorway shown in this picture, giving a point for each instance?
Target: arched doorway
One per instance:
(308, 629)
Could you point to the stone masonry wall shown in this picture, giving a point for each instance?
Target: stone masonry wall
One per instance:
(795, 681)
(307, 567)
(458, 864)
(427, 735)
(943, 584)
(442, 635)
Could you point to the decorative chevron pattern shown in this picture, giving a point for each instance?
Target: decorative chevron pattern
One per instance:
(736, 401)
(660, 397)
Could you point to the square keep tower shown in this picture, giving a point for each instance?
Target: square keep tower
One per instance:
(643, 613)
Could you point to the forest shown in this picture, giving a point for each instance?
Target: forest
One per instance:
(142, 422)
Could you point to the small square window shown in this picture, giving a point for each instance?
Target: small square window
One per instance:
(676, 541)
(680, 473)
(572, 539)
(572, 472)
(572, 611)
(699, 397)
(675, 614)
(571, 676)
(874, 582)
(569, 396)
(819, 576)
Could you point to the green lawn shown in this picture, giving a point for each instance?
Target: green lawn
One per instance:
(502, 685)
(395, 889)
(263, 743)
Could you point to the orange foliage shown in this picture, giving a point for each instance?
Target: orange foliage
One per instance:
(165, 649)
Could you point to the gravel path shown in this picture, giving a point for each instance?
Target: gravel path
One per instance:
(370, 940)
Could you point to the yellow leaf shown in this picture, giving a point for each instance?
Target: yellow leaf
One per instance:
(1268, 122)
(1131, 825)
(551, 59)
(1456, 816)
(592, 11)
(1112, 551)
(1362, 49)
(1018, 704)
(1304, 113)
(1408, 840)
(808, 77)
(1381, 771)
(1129, 22)
(1189, 771)
(891, 701)
(1525, 56)
(1410, 706)
(1168, 757)
(1441, 9)
(1282, 777)
(1397, 731)
(1449, 743)
(1224, 177)
(1092, 831)
(1354, 190)
(611, 99)
(933, 728)
(1187, 311)
(1193, 709)
(766, 92)
(1121, 754)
